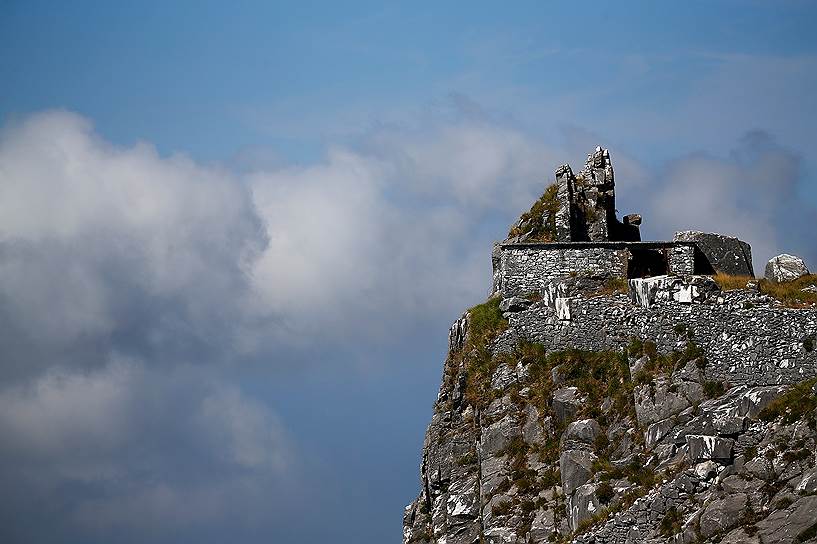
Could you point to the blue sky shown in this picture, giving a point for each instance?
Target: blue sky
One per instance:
(233, 237)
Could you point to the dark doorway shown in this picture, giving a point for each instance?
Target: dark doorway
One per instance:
(646, 262)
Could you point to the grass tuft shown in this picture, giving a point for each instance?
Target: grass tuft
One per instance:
(540, 221)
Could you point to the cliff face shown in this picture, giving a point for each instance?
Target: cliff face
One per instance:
(586, 408)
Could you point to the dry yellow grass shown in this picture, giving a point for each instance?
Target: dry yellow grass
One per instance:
(729, 283)
(790, 292)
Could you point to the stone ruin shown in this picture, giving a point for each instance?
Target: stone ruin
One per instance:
(589, 239)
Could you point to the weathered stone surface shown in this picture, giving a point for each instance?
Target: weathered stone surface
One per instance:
(658, 401)
(785, 267)
(566, 402)
(576, 468)
(725, 254)
(784, 526)
(581, 433)
(722, 514)
(497, 436)
(686, 290)
(702, 448)
(582, 504)
(740, 536)
(543, 526)
(514, 304)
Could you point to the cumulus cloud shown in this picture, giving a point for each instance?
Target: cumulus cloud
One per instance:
(103, 246)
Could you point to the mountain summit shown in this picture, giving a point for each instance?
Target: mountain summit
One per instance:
(614, 390)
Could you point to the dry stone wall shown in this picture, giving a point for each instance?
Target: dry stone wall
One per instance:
(746, 337)
(526, 268)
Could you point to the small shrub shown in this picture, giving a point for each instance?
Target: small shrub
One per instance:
(808, 343)
(796, 403)
(796, 455)
(502, 508)
(467, 459)
(770, 454)
(671, 524)
(785, 502)
(605, 492)
(713, 389)
(750, 453)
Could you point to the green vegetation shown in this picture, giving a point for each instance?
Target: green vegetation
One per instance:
(663, 363)
(485, 324)
(791, 292)
(713, 389)
(613, 286)
(540, 221)
(797, 403)
(671, 524)
(605, 492)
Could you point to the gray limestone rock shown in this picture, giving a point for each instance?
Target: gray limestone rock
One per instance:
(532, 431)
(497, 436)
(514, 304)
(582, 433)
(703, 448)
(566, 402)
(722, 514)
(582, 504)
(784, 526)
(740, 536)
(576, 467)
(725, 254)
(543, 526)
(785, 267)
(658, 401)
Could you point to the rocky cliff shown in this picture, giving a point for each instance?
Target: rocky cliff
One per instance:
(588, 408)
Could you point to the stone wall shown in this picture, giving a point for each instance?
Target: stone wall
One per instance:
(525, 268)
(746, 337)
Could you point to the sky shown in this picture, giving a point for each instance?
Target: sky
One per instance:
(233, 235)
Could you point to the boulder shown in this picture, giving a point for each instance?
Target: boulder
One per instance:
(784, 268)
(566, 403)
(702, 448)
(543, 527)
(786, 525)
(657, 401)
(583, 431)
(582, 505)
(576, 467)
(497, 436)
(722, 514)
(532, 431)
(724, 254)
